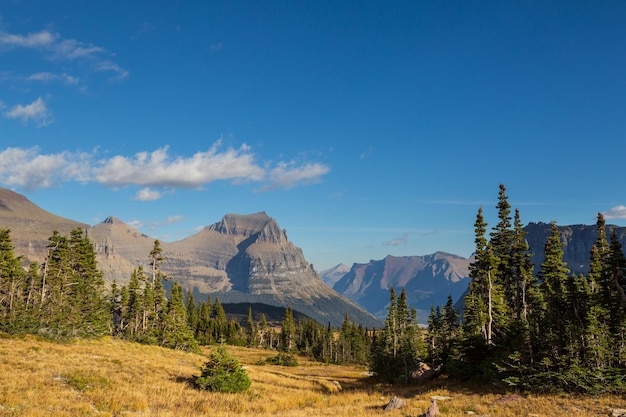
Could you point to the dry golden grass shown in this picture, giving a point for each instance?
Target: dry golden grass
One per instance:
(110, 377)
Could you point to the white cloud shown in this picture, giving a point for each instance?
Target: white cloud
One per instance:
(32, 40)
(30, 169)
(26, 168)
(146, 194)
(157, 168)
(288, 175)
(36, 111)
(617, 212)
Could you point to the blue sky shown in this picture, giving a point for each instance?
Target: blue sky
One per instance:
(364, 128)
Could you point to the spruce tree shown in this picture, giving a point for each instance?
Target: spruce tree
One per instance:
(251, 330)
(175, 331)
(156, 259)
(553, 275)
(288, 332)
(398, 348)
(12, 285)
(87, 296)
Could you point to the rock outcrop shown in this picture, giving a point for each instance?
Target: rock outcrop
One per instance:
(578, 240)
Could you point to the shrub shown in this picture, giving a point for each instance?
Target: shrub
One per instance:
(222, 373)
(283, 359)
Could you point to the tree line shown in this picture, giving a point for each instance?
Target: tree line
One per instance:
(66, 297)
(552, 330)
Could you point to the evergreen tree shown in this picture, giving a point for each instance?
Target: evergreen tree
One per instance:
(617, 307)
(87, 296)
(251, 330)
(193, 315)
(502, 240)
(553, 275)
(156, 259)
(398, 348)
(12, 279)
(175, 332)
(288, 331)
(222, 373)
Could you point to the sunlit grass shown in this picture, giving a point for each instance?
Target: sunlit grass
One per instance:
(110, 377)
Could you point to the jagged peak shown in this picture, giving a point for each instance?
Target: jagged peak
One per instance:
(242, 224)
(112, 220)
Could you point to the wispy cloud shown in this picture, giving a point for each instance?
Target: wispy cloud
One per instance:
(36, 111)
(366, 153)
(51, 77)
(617, 212)
(288, 175)
(143, 29)
(30, 169)
(398, 241)
(32, 40)
(56, 48)
(153, 226)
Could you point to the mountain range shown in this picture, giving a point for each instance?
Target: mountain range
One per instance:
(240, 259)
(248, 259)
(429, 279)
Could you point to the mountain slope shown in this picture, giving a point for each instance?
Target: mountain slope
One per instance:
(331, 275)
(30, 225)
(240, 259)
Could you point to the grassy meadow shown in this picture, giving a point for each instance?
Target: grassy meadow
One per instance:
(110, 377)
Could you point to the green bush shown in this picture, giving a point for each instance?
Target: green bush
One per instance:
(222, 373)
(283, 359)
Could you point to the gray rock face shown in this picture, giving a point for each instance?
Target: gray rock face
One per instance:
(578, 240)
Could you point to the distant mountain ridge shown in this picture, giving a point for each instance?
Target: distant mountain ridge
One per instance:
(427, 279)
(240, 259)
(331, 275)
(578, 240)
(430, 279)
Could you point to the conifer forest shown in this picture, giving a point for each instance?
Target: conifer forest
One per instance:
(537, 328)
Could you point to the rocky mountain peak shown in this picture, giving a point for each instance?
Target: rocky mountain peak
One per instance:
(244, 225)
(112, 220)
